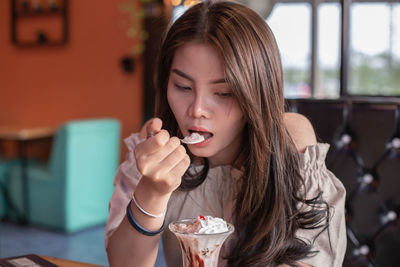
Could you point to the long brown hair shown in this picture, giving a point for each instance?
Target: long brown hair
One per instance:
(267, 212)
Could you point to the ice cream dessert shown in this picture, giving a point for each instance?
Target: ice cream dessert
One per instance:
(204, 225)
(193, 138)
(201, 239)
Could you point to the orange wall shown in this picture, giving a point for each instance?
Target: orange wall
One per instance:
(81, 79)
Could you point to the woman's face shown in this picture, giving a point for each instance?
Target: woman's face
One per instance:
(203, 102)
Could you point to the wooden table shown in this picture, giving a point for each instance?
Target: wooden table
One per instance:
(67, 263)
(35, 260)
(22, 135)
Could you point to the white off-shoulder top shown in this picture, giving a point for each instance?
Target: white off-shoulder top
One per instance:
(215, 197)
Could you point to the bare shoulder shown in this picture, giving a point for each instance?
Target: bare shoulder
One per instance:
(300, 129)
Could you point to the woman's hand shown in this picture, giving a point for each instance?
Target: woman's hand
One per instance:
(161, 159)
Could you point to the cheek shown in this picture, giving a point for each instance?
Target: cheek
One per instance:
(238, 120)
(235, 115)
(174, 103)
(232, 119)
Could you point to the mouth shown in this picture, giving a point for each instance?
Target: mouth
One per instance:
(202, 132)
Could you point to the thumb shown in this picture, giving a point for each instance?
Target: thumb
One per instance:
(153, 127)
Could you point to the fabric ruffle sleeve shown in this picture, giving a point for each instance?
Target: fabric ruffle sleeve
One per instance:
(331, 243)
(125, 181)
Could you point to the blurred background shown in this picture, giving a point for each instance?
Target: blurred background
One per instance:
(76, 78)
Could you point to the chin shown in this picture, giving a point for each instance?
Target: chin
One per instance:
(200, 154)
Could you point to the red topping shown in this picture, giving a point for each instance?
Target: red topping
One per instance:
(200, 217)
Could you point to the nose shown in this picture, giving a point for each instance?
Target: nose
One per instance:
(198, 108)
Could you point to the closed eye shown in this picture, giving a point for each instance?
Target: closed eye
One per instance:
(181, 87)
(224, 94)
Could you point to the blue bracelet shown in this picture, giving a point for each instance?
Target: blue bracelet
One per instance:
(138, 227)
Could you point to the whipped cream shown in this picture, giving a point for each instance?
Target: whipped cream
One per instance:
(204, 225)
(211, 225)
(194, 138)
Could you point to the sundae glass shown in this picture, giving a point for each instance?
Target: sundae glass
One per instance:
(201, 239)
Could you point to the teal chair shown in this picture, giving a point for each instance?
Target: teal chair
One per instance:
(5, 166)
(72, 191)
(3, 188)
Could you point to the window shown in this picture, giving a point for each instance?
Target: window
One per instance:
(309, 33)
(293, 37)
(292, 24)
(374, 61)
(328, 51)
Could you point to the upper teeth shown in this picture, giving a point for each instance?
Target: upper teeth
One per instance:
(194, 138)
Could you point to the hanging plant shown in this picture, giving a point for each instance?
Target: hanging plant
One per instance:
(134, 24)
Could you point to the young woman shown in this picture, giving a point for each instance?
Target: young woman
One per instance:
(220, 75)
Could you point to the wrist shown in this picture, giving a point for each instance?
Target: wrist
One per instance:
(143, 211)
(150, 200)
(138, 227)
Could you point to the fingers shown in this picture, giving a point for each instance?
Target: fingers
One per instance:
(174, 158)
(152, 144)
(173, 177)
(152, 154)
(169, 172)
(153, 127)
(148, 126)
(170, 147)
(159, 150)
(180, 168)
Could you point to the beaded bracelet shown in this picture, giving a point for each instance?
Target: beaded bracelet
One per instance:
(138, 227)
(145, 212)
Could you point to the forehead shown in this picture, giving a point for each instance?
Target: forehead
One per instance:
(199, 59)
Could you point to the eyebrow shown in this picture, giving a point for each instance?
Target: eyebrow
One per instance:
(184, 75)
